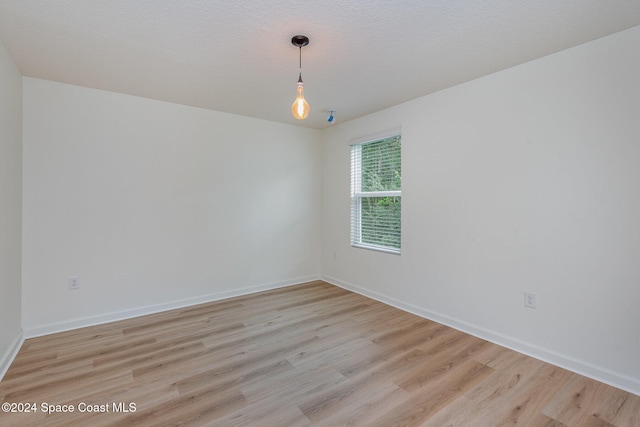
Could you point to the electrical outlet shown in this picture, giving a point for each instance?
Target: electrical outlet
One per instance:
(530, 299)
(74, 283)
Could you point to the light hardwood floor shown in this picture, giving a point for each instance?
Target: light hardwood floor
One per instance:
(311, 354)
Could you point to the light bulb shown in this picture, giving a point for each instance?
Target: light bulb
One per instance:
(300, 107)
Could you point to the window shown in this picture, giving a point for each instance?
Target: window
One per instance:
(375, 194)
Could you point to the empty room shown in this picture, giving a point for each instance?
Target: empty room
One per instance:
(367, 213)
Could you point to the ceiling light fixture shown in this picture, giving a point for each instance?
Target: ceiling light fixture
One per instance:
(300, 107)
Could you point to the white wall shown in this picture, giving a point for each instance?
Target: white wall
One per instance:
(10, 207)
(527, 179)
(155, 205)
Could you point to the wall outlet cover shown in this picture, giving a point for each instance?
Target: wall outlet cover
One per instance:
(530, 299)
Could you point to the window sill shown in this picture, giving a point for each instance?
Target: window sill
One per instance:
(377, 248)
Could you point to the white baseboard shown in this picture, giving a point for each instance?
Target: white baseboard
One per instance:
(141, 311)
(632, 385)
(10, 354)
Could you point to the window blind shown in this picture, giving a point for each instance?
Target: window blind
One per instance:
(376, 181)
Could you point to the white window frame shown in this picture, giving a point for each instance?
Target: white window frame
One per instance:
(357, 195)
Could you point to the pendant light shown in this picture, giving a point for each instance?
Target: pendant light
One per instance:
(300, 107)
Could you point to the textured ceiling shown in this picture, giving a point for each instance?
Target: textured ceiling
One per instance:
(237, 57)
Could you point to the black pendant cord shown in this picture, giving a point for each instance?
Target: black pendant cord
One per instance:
(300, 77)
(300, 65)
(300, 41)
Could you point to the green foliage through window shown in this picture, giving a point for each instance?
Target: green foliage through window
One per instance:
(376, 182)
(381, 165)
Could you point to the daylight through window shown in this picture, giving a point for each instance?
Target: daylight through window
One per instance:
(376, 180)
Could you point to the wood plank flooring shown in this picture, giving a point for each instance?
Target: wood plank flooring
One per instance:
(311, 354)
